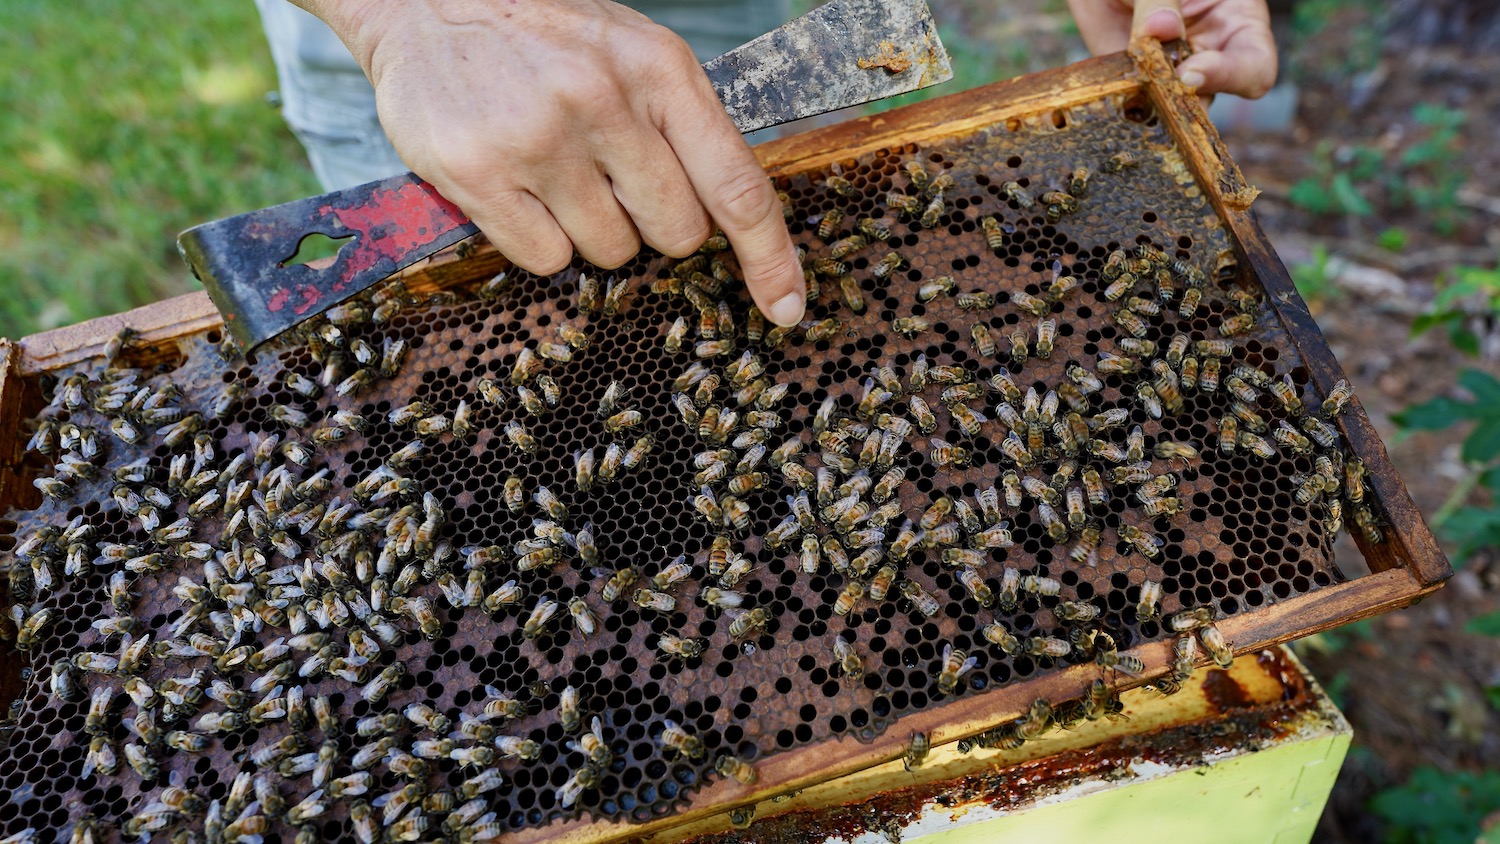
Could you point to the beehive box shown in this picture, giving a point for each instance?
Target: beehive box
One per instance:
(1245, 754)
(339, 581)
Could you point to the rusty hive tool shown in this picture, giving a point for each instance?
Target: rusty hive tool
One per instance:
(841, 54)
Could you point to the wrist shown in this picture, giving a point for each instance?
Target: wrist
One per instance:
(358, 23)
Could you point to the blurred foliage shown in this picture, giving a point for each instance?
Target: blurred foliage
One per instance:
(1438, 807)
(1424, 176)
(1356, 23)
(124, 124)
(1470, 527)
(1465, 296)
(1393, 239)
(1313, 279)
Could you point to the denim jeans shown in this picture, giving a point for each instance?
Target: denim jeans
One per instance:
(330, 106)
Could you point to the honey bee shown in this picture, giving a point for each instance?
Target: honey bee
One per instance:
(1309, 490)
(840, 186)
(1333, 521)
(848, 597)
(1046, 336)
(1064, 202)
(829, 225)
(1291, 439)
(1338, 398)
(1369, 524)
(1019, 349)
(583, 616)
(1047, 646)
(543, 613)
(909, 327)
(650, 599)
(917, 174)
(969, 421)
(1256, 445)
(674, 737)
(1191, 619)
(1329, 476)
(1075, 612)
(1191, 299)
(31, 629)
(1015, 193)
(1086, 548)
(1217, 646)
(675, 646)
(848, 659)
(977, 588)
(932, 214)
(1166, 285)
(995, 536)
(921, 600)
(1056, 527)
(520, 437)
(887, 265)
(955, 665)
(1353, 481)
(517, 748)
(737, 769)
(1119, 288)
(674, 573)
(1321, 432)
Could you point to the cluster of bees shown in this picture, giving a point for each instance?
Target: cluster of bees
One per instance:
(284, 580)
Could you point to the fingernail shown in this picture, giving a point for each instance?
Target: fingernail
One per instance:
(1192, 79)
(1166, 21)
(788, 309)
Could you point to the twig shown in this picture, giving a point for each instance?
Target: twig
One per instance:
(1457, 497)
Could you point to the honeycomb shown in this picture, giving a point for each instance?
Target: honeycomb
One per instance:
(349, 637)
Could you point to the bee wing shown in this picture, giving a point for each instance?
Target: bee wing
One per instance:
(969, 665)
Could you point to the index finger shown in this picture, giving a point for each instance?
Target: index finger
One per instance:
(1245, 65)
(736, 193)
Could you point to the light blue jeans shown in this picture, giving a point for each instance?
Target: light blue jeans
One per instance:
(330, 106)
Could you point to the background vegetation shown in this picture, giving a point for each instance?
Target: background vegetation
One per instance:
(123, 125)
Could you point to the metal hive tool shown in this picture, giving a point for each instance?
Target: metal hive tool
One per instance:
(1255, 559)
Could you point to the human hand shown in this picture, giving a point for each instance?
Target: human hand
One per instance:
(1233, 49)
(563, 124)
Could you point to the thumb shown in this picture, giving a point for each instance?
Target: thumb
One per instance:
(1159, 19)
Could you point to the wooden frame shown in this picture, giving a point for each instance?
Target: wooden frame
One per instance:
(1408, 566)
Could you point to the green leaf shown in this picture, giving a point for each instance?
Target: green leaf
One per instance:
(1470, 529)
(1426, 322)
(1350, 200)
(1434, 415)
(1490, 479)
(1483, 443)
(1484, 625)
(1492, 694)
(1310, 195)
(1485, 388)
(1437, 807)
(1393, 239)
(1463, 339)
(1476, 279)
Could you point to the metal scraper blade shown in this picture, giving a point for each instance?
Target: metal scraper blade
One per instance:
(838, 55)
(841, 54)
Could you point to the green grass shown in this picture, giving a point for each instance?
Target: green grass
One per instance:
(124, 123)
